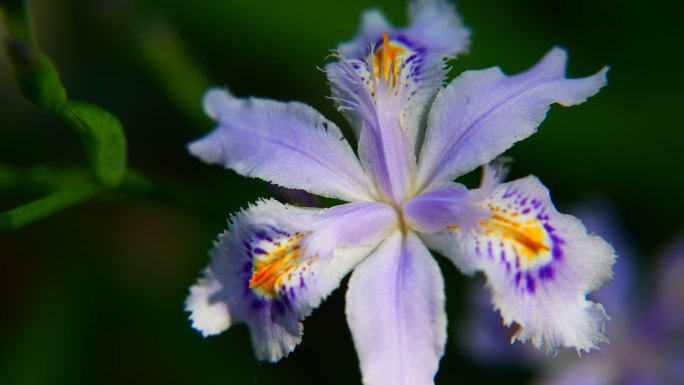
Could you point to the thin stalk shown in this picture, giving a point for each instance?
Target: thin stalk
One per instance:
(34, 211)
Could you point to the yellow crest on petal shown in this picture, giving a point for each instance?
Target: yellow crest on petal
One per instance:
(274, 262)
(522, 232)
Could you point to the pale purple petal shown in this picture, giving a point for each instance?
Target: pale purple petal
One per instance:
(395, 310)
(539, 264)
(437, 213)
(438, 33)
(434, 25)
(665, 312)
(438, 27)
(373, 25)
(385, 149)
(385, 80)
(483, 113)
(289, 144)
(276, 263)
(432, 211)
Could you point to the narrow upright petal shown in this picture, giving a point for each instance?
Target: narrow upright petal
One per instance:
(289, 144)
(276, 263)
(373, 25)
(438, 27)
(483, 113)
(384, 82)
(385, 148)
(416, 55)
(539, 264)
(395, 310)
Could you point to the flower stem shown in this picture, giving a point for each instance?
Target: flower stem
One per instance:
(75, 185)
(33, 211)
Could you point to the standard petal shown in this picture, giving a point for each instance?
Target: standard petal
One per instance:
(384, 81)
(408, 61)
(289, 144)
(483, 113)
(276, 263)
(433, 24)
(439, 33)
(438, 27)
(373, 25)
(539, 264)
(395, 310)
(384, 147)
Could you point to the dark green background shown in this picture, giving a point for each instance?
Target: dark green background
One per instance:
(94, 294)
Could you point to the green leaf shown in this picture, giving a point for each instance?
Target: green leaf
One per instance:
(103, 139)
(36, 75)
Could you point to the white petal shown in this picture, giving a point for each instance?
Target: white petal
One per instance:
(208, 317)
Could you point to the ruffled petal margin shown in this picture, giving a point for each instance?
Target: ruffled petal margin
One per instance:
(289, 144)
(539, 265)
(276, 263)
(482, 113)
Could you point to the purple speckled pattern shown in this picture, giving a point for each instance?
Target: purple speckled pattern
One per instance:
(520, 213)
(267, 232)
(534, 258)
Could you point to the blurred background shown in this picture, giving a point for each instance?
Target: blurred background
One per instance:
(94, 294)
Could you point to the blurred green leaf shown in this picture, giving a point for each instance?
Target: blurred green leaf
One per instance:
(101, 133)
(37, 76)
(103, 139)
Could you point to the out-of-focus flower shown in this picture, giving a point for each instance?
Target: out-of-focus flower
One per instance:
(276, 262)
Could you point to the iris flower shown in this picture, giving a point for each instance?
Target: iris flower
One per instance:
(276, 262)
